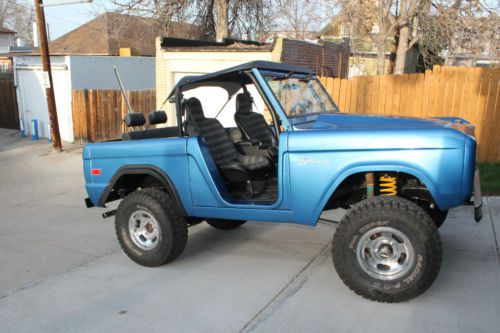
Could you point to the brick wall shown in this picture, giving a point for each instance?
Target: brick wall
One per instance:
(329, 60)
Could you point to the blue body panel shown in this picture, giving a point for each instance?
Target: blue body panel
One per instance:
(316, 154)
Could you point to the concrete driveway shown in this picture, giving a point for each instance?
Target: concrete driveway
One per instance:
(61, 269)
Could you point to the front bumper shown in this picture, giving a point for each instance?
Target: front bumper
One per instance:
(478, 199)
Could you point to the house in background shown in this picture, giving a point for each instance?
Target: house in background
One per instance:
(7, 39)
(475, 46)
(176, 58)
(363, 53)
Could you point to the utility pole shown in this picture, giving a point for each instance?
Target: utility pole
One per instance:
(49, 90)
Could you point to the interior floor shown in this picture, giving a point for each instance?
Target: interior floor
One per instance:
(267, 196)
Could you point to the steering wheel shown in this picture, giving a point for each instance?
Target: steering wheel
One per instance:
(301, 107)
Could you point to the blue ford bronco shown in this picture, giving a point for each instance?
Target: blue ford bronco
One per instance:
(296, 157)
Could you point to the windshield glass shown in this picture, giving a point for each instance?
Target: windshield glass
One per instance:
(301, 96)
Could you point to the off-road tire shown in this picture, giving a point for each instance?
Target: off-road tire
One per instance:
(173, 227)
(404, 217)
(438, 216)
(225, 224)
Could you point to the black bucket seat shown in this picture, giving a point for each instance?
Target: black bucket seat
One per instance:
(253, 124)
(234, 166)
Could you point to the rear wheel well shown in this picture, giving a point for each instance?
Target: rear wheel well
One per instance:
(128, 182)
(354, 189)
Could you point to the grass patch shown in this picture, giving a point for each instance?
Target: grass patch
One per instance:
(490, 178)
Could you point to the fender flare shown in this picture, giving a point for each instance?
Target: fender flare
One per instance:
(144, 169)
(372, 168)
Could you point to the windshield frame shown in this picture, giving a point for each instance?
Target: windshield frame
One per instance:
(303, 77)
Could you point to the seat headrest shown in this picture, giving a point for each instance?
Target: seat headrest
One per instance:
(134, 119)
(194, 109)
(244, 102)
(157, 117)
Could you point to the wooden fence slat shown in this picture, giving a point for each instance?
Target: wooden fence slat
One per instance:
(426, 92)
(403, 85)
(389, 95)
(9, 114)
(343, 95)
(417, 91)
(336, 90)
(375, 95)
(489, 116)
(381, 94)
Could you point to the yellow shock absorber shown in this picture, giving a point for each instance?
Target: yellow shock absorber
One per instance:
(388, 185)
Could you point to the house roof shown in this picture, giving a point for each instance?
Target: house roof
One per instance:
(4, 30)
(118, 31)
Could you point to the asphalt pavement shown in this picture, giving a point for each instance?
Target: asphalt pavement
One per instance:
(61, 269)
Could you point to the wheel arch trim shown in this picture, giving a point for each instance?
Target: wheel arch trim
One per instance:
(372, 168)
(144, 169)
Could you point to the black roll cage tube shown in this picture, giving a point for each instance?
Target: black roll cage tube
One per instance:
(179, 106)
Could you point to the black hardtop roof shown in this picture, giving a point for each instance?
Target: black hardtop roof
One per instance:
(225, 74)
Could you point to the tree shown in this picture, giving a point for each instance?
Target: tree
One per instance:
(374, 20)
(218, 19)
(298, 19)
(18, 15)
(222, 31)
(459, 27)
(407, 14)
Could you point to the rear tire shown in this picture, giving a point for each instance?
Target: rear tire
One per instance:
(387, 249)
(225, 224)
(149, 228)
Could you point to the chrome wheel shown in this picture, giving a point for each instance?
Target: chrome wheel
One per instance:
(144, 230)
(385, 253)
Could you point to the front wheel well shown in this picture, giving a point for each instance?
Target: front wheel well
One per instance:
(354, 189)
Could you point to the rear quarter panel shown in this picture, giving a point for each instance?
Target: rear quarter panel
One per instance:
(168, 154)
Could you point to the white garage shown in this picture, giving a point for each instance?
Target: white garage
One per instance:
(73, 72)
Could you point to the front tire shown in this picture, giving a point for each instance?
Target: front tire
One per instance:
(150, 230)
(438, 216)
(387, 249)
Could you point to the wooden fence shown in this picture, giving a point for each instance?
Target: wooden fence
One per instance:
(98, 114)
(469, 93)
(9, 116)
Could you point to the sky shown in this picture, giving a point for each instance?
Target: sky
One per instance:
(63, 19)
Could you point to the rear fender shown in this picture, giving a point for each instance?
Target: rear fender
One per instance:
(149, 170)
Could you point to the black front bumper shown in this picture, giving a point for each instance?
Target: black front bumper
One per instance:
(89, 203)
(478, 199)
